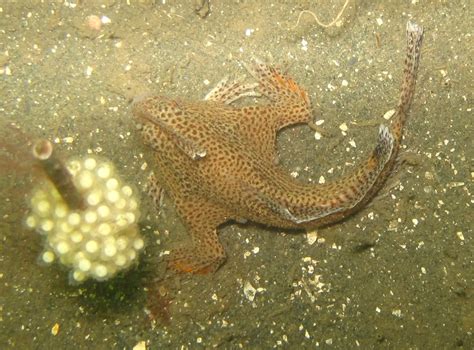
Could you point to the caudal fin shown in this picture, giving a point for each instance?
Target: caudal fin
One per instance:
(410, 72)
(412, 60)
(349, 191)
(335, 200)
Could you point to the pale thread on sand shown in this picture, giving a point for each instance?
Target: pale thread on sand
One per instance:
(334, 21)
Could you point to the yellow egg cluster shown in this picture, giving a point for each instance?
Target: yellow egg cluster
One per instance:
(96, 242)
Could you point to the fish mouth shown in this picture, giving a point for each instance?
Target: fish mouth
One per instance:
(139, 114)
(141, 106)
(142, 118)
(139, 117)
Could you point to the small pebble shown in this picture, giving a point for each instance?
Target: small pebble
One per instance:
(105, 20)
(312, 237)
(141, 345)
(94, 22)
(249, 291)
(55, 329)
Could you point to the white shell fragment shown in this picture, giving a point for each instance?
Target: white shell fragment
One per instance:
(105, 20)
(389, 114)
(249, 291)
(312, 237)
(141, 345)
(89, 71)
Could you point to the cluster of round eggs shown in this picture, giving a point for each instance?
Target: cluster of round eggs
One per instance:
(96, 242)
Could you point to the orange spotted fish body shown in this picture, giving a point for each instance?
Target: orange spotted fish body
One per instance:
(218, 162)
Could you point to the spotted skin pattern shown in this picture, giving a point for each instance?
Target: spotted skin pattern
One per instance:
(218, 162)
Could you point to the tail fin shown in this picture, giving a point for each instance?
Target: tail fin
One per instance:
(412, 60)
(348, 191)
(346, 195)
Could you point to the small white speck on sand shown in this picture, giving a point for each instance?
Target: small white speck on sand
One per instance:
(105, 20)
(6, 70)
(304, 45)
(89, 71)
(460, 235)
(249, 31)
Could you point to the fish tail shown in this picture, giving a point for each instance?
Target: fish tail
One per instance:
(349, 191)
(410, 72)
(412, 61)
(340, 198)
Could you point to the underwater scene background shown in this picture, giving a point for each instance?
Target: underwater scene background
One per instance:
(398, 274)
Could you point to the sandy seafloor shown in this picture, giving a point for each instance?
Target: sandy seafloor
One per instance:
(398, 275)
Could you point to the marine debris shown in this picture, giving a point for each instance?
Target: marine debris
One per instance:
(318, 21)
